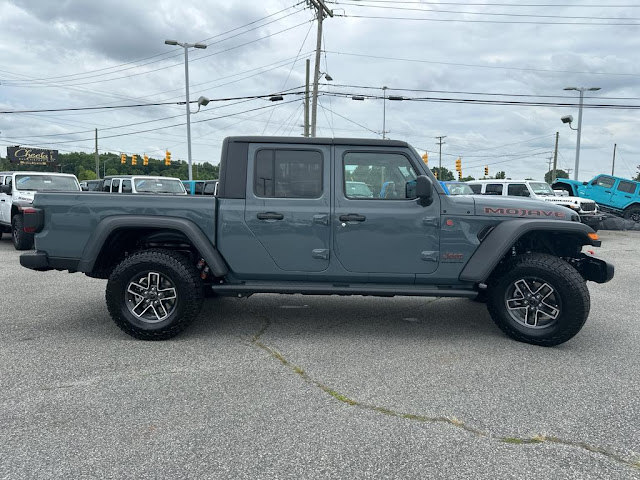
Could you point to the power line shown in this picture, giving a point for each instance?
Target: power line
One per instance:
(468, 4)
(454, 20)
(470, 65)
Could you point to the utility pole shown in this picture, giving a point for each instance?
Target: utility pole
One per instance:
(613, 164)
(306, 100)
(321, 8)
(549, 168)
(555, 160)
(440, 142)
(97, 158)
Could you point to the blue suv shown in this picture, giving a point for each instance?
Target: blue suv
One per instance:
(615, 194)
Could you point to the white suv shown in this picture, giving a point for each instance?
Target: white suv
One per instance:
(586, 208)
(17, 190)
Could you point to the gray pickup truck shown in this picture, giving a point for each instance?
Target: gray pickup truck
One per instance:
(284, 221)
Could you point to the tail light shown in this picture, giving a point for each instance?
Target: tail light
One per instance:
(33, 219)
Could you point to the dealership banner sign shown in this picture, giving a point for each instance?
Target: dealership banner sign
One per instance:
(31, 156)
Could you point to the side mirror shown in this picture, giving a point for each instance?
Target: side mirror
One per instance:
(421, 188)
(5, 189)
(594, 182)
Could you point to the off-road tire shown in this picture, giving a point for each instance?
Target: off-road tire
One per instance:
(566, 282)
(21, 239)
(632, 213)
(171, 266)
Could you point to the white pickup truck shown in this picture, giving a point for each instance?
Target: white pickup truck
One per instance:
(17, 190)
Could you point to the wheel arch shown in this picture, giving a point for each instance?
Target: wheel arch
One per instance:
(558, 237)
(116, 235)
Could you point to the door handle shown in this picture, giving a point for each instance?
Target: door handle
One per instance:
(607, 191)
(270, 216)
(352, 217)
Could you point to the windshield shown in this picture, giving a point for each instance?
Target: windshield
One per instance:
(459, 189)
(159, 185)
(541, 188)
(46, 183)
(359, 190)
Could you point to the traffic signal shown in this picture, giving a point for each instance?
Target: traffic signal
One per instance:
(167, 158)
(425, 158)
(486, 171)
(123, 158)
(459, 174)
(459, 164)
(134, 159)
(145, 160)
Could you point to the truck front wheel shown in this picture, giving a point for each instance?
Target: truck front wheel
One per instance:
(632, 213)
(539, 299)
(154, 294)
(21, 239)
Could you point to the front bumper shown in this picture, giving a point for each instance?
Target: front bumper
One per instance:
(591, 218)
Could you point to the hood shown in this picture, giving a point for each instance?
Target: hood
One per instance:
(499, 206)
(568, 200)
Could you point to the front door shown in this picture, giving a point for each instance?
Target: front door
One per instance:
(5, 201)
(377, 229)
(288, 204)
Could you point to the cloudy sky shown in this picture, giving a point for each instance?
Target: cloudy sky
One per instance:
(460, 66)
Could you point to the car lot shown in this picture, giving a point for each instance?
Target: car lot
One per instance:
(315, 387)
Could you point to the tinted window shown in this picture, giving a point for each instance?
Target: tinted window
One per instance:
(210, 188)
(493, 189)
(198, 188)
(476, 188)
(288, 174)
(126, 186)
(606, 182)
(115, 185)
(158, 185)
(518, 190)
(377, 175)
(627, 187)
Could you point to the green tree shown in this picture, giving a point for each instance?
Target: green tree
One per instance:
(446, 175)
(501, 175)
(559, 174)
(638, 175)
(468, 179)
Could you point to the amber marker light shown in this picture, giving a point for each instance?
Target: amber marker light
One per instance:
(593, 236)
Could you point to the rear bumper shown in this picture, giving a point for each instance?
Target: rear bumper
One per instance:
(41, 262)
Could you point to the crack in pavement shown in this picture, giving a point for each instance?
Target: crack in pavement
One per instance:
(257, 342)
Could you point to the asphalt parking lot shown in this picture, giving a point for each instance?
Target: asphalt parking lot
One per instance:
(315, 387)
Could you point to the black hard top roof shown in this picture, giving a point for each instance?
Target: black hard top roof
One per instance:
(319, 141)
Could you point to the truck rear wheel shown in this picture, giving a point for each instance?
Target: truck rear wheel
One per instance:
(154, 294)
(539, 299)
(632, 213)
(21, 239)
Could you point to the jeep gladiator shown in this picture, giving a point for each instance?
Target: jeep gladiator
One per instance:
(284, 221)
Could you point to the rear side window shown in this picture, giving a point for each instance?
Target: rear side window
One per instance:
(493, 189)
(126, 186)
(476, 188)
(518, 190)
(288, 174)
(626, 187)
(606, 182)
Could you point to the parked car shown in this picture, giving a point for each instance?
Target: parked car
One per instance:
(143, 184)
(587, 209)
(17, 190)
(358, 189)
(456, 188)
(283, 222)
(91, 185)
(617, 195)
(199, 187)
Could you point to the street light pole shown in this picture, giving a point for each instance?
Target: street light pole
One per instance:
(384, 112)
(579, 129)
(186, 47)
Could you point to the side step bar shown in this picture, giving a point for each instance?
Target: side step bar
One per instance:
(386, 290)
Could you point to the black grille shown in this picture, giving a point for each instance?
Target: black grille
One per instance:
(588, 207)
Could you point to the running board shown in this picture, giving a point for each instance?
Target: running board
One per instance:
(386, 290)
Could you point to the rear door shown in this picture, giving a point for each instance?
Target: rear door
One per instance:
(623, 193)
(288, 204)
(382, 232)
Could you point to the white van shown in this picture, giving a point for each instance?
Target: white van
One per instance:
(586, 208)
(143, 184)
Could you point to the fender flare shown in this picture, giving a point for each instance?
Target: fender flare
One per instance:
(190, 230)
(501, 238)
